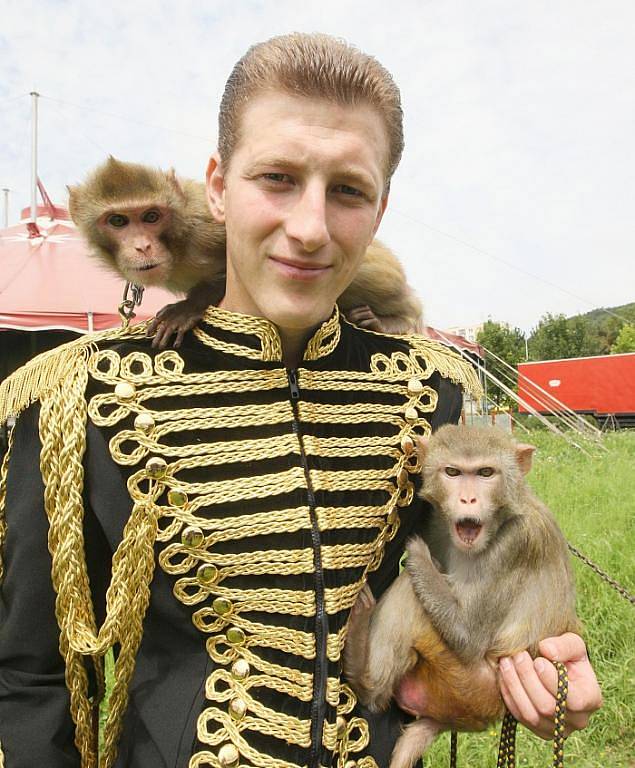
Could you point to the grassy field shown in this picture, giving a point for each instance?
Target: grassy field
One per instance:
(594, 502)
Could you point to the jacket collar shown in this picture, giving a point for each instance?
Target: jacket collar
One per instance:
(258, 339)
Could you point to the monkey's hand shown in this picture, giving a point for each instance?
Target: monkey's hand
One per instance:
(177, 318)
(355, 655)
(529, 687)
(419, 554)
(364, 317)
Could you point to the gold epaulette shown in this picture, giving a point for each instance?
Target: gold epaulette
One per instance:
(448, 363)
(41, 374)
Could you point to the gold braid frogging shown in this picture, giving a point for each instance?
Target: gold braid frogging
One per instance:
(63, 436)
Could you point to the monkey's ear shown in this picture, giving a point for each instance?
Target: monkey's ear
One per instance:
(422, 445)
(175, 183)
(524, 456)
(73, 202)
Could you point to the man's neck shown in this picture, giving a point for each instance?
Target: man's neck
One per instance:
(293, 345)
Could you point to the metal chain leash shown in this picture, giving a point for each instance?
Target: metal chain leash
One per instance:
(602, 574)
(132, 296)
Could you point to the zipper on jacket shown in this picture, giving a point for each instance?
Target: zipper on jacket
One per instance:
(318, 705)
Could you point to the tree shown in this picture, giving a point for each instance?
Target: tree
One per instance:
(508, 344)
(557, 337)
(625, 341)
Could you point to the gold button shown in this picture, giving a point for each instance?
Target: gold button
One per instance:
(144, 422)
(240, 669)
(177, 497)
(407, 445)
(412, 415)
(124, 390)
(156, 467)
(207, 573)
(192, 536)
(235, 636)
(237, 708)
(340, 724)
(222, 606)
(402, 477)
(350, 764)
(415, 387)
(228, 756)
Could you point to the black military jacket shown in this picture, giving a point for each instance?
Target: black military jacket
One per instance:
(245, 504)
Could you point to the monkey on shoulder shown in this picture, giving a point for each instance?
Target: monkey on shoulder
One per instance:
(493, 578)
(153, 228)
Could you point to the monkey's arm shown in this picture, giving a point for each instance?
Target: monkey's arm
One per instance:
(439, 602)
(182, 316)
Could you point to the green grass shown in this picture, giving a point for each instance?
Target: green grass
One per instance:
(594, 502)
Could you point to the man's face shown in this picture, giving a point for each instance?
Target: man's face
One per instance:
(301, 200)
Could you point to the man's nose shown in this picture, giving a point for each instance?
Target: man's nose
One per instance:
(306, 221)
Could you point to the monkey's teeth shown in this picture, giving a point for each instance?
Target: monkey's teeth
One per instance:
(468, 530)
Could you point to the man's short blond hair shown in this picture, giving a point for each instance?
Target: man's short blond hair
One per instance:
(313, 66)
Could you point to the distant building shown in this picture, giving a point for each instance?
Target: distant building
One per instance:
(468, 332)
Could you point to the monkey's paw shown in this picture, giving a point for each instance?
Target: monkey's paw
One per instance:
(177, 318)
(365, 600)
(364, 317)
(418, 554)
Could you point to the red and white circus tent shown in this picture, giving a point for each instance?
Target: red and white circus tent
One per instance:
(48, 280)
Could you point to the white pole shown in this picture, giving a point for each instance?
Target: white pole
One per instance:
(34, 97)
(6, 207)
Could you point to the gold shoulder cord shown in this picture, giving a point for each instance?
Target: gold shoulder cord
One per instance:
(58, 378)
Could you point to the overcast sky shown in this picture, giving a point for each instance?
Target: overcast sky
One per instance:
(516, 191)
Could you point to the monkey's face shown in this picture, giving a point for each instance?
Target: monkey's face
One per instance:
(469, 495)
(301, 200)
(132, 236)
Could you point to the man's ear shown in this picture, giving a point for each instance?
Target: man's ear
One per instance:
(524, 456)
(380, 213)
(215, 188)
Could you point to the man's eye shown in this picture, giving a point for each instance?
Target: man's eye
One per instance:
(346, 190)
(117, 220)
(452, 471)
(277, 177)
(485, 471)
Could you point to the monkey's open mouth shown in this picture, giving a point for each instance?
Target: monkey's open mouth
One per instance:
(468, 529)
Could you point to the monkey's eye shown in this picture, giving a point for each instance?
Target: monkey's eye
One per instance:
(151, 217)
(452, 471)
(118, 220)
(485, 471)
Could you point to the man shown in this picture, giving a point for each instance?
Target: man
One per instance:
(267, 469)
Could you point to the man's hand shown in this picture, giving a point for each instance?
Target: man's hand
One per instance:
(529, 687)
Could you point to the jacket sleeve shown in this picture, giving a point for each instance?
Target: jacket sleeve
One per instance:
(35, 723)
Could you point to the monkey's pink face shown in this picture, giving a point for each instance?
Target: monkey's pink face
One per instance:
(472, 496)
(135, 232)
(301, 200)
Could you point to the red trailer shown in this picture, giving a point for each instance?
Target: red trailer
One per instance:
(602, 386)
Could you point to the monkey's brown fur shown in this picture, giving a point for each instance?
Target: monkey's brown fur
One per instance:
(196, 243)
(454, 611)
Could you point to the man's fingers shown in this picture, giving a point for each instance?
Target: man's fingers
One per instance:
(534, 704)
(565, 648)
